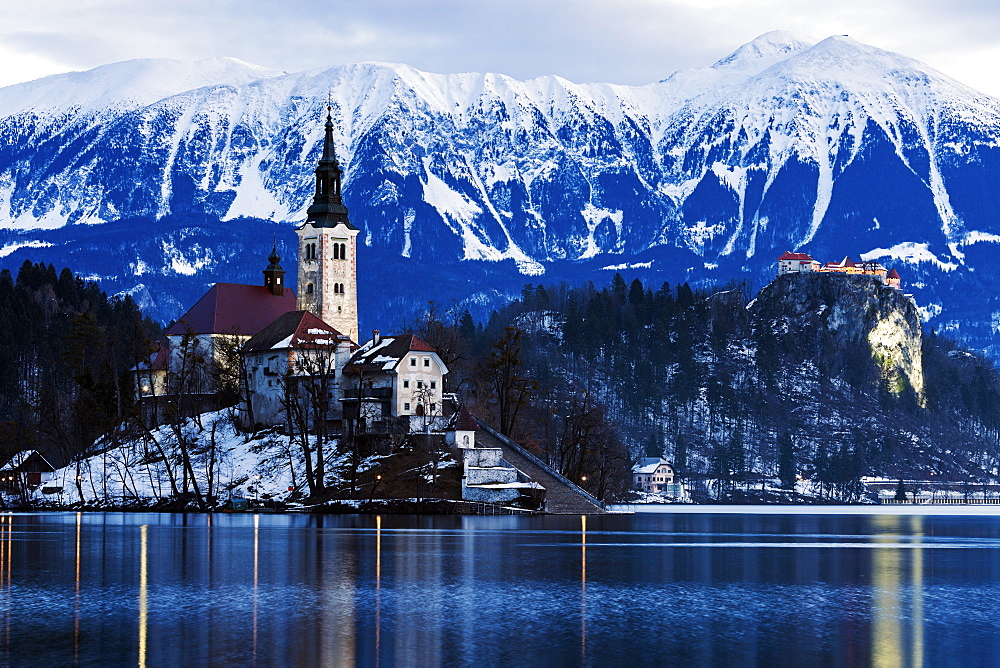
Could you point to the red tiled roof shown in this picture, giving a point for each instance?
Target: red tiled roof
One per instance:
(788, 255)
(892, 274)
(848, 262)
(296, 329)
(464, 420)
(387, 354)
(233, 308)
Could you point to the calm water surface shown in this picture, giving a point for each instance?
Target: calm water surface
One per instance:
(645, 589)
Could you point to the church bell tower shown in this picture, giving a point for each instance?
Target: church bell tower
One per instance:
(328, 277)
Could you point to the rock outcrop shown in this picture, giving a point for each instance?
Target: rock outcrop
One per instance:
(850, 324)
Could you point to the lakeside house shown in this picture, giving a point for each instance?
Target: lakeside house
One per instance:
(653, 474)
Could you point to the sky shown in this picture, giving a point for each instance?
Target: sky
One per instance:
(614, 41)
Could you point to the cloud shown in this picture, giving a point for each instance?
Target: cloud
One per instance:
(619, 41)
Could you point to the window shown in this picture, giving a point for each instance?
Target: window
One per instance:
(309, 288)
(406, 406)
(336, 288)
(427, 362)
(420, 384)
(413, 361)
(406, 384)
(311, 251)
(433, 407)
(433, 384)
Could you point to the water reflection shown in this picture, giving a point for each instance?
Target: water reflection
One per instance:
(897, 575)
(395, 590)
(143, 594)
(583, 589)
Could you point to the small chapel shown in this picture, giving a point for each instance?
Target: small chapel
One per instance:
(289, 344)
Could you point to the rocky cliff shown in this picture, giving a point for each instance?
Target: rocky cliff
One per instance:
(851, 325)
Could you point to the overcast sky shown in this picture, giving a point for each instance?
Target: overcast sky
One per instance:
(617, 41)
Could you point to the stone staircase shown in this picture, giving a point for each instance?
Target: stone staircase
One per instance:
(561, 496)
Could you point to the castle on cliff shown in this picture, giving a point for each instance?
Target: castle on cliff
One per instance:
(791, 263)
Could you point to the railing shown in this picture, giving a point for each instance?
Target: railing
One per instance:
(920, 501)
(476, 508)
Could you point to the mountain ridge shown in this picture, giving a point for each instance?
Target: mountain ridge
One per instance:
(786, 143)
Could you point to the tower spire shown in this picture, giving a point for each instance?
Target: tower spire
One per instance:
(327, 209)
(274, 275)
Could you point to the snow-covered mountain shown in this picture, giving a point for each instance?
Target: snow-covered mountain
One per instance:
(148, 173)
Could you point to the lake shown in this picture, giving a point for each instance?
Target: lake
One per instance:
(750, 586)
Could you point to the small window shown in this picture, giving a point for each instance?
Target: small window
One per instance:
(433, 384)
(309, 288)
(413, 361)
(420, 384)
(406, 384)
(427, 361)
(433, 407)
(406, 406)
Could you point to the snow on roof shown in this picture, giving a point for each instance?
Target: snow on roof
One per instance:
(21, 458)
(788, 255)
(648, 465)
(295, 329)
(387, 353)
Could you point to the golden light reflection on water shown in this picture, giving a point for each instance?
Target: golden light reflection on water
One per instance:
(256, 549)
(583, 589)
(378, 586)
(897, 576)
(76, 599)
(143, 602)
(6, 545)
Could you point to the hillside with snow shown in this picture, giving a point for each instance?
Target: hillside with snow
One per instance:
(156, 176)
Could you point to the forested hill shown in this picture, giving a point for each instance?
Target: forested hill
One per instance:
(64, 360)
(828, 379)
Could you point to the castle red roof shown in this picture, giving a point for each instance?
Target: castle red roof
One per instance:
(892, 274)
(788, 255)
(233, 308)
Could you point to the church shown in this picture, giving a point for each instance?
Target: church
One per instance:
(295, 347)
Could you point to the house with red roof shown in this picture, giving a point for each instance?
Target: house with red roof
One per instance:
(396, 377)
(219, 324)
(298, 359)
(796, 262)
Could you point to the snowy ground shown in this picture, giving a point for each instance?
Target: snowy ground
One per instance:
(226, 464)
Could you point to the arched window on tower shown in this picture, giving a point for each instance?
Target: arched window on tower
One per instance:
(343, 251)
(336, 251)
(341, 288)
(309, 288)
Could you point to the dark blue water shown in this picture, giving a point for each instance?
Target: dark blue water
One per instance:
(647, 589)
